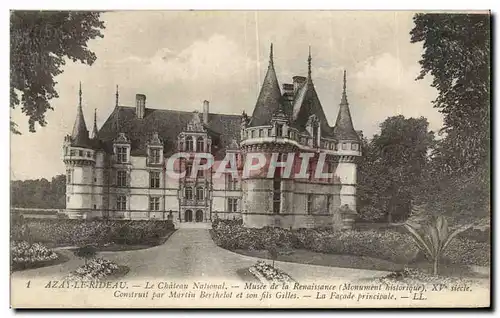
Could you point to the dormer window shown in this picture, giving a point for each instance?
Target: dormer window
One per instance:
(279, 130)
(154, 155)
(189, 143)
(121, 154)
(200, 144)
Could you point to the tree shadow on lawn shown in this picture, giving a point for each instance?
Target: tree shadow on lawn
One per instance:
(359, 262)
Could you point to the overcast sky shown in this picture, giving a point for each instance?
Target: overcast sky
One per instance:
(178, 59)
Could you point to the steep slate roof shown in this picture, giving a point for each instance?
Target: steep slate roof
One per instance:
(344, 129)
(168, 124)
(270, 99)
(307, 103)
(80, 134)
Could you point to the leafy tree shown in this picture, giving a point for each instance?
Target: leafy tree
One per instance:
(39, 43)
(457, 55)
(272, 250)
(393, 167)
(86, 252)
(39, 193)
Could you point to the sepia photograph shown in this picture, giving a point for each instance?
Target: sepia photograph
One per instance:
(250, 159)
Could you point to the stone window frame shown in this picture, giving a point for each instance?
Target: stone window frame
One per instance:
(121, 203)
(200, 144)
(189, 143)
(121, 178)
(122, 154)
(232, 204)
(154, 182)
(309, 203)
(200, 190)
(188, 193)
(154, 203)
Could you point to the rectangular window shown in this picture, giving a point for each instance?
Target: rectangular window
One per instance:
(279, 130)
(328, 202)
(344, 146)
(154, 203)
(121, 203)
(269, 132)
(230, 182)
(354, 146)
(154, 179)
(121, 154)
(232, 205)
(121, 178)
(68, 176)
(277, 192)
(260, 132)
(154, 155)
(310, 201)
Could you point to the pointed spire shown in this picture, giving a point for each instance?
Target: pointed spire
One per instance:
(344, 93)
(80, 134)
(80, 95)
(117, 96)
(309, 59)
(93, 135)
(271, 62)
(344, 129)
(269, 100)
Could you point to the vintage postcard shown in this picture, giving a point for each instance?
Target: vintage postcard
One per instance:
(250, 159)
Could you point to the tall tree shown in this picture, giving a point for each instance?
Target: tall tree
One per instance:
(39, 43)
(457, 55)
(393, 168)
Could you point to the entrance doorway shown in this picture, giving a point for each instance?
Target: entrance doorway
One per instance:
(199, 216)
(188, 216)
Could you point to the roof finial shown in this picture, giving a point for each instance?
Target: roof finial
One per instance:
(80, 95)
(309, 59)
(95, 116)
(117, 96)
(344, 93)
(271, 62)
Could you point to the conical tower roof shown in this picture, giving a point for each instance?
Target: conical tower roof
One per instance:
(80, 134)
(307, 103)
(344, 129)
(270, 99)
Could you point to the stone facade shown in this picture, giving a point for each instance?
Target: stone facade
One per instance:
(120, 170)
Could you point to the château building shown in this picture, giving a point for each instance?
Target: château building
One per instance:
(119, 171)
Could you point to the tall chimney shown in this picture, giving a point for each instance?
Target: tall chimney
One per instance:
(298, 82)
(288, 91)
(206, 105)
(140, 105)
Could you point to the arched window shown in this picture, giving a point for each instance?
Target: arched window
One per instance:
(189, 143)
(200, 194)
(188, 193)
(200, 144)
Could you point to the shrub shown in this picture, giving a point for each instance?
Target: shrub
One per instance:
(24, 254)
(86, 252)
(97, 268)
(385, 244)
(84, 232)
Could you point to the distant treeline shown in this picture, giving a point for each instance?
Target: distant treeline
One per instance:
(39, 193)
